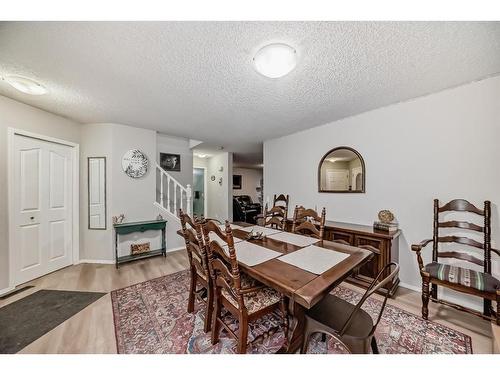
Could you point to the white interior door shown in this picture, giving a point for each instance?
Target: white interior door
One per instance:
(42, 191)
(337, 179)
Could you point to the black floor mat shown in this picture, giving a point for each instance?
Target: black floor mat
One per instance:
(29, 318)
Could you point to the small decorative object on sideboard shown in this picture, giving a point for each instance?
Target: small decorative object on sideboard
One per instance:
(159, 217)
(118, 219)
(386, 222)
(139, 248)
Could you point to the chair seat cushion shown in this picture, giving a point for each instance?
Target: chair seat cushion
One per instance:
(463, 276)
(333, 312)
(255, 301)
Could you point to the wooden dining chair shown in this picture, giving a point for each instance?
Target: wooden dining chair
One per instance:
(242, 296)
(347, 323)
(279, 208)
(306, 222)
(198, 267)
(282, 202)
(274, 217)
(464, 280)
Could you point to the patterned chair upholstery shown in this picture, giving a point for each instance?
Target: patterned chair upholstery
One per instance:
(463, 276)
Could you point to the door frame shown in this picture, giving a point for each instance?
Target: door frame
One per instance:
(205, 186)
(11, 133)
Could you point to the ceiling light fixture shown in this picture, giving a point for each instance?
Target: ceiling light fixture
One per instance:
(275, 60)
(25, 85)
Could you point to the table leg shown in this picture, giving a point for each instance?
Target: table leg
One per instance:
(296, 336)
(116, 249)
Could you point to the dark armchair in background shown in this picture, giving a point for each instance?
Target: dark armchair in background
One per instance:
(244, 209)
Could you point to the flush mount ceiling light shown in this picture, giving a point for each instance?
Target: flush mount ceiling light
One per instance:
(26, 85)
(275, 60)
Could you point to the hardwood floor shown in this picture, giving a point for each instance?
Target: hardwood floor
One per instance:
(92, 329)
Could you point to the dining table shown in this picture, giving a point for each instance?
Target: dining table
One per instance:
(302, 287)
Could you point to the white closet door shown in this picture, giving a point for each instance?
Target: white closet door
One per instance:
(42, 207)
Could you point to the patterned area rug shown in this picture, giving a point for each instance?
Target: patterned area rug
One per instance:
(151, 317)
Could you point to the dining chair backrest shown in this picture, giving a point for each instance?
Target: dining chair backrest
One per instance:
(375, 286)
(223, 265)
(306, 221)
(274, 217)
(197, 255)
(282, 202)
(460, 206)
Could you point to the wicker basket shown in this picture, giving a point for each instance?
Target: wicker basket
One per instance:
(139, 248)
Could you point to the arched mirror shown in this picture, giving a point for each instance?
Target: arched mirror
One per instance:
(341, 170)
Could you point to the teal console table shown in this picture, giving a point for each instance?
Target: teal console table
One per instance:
(140, 226)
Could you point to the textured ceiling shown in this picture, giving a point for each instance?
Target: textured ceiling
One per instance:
(196, 79)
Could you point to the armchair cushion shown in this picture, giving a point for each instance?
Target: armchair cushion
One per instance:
(463, 276)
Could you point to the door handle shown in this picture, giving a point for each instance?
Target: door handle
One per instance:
(32, 218)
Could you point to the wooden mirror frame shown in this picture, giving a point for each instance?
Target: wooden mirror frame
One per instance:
(320, 190)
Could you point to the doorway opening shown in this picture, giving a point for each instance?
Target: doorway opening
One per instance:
(199, 191)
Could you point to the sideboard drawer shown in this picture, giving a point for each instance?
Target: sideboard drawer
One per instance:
(347, 237)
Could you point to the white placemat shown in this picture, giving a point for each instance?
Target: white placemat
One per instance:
(259, 229)
(214, 237)
(251, 254)
(294, 239)
(314, 259)
(233, 226)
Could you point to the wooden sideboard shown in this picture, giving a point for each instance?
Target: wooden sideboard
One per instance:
(385, 243)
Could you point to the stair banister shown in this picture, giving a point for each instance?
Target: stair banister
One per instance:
(165, 193)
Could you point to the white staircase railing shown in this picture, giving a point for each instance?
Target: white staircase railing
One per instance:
(171, 194)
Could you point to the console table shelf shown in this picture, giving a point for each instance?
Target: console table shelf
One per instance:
(140, 226)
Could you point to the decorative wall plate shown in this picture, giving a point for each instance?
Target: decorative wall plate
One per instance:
(135, 163)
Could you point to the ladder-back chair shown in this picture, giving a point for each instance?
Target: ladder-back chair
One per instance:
(307, 221)
(198, 267)
(242, 296)
(465, 280)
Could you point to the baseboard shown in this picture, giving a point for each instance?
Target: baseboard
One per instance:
(96, 261)
(411, 287)
(6, 290)
(176, 249)
(101, 261)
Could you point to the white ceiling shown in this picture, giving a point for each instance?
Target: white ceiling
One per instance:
(196, 79)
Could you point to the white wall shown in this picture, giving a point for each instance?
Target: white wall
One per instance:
(220, 202)
(250, 179)
(132, 197)
(444, 146)
(21, 116)
(96, 140)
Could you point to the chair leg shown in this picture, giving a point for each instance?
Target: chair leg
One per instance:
(242, 334)
(209, 309)
(434, 292)
(487, 307)
(192, 290)
(216, 315)
(307, 335)
(374, 346)
(498, 307)
(284, 315)
(425, 297)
